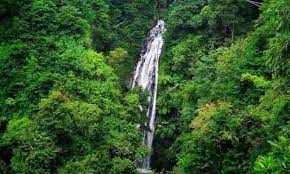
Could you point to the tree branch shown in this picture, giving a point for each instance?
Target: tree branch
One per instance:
(258, 4)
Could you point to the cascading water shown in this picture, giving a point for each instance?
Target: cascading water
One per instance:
(146, 76)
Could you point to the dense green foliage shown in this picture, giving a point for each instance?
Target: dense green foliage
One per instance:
(62, 108)
(224, 88)
(223, 100)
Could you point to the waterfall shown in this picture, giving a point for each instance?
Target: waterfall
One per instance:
(146, 77)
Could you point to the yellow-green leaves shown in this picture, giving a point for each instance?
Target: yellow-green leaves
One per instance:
(259, 82)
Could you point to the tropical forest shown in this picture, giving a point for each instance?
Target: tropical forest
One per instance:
(144, 86)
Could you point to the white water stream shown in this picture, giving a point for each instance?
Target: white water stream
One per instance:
(146, 76)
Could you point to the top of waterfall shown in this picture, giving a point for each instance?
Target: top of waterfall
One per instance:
(159, 28)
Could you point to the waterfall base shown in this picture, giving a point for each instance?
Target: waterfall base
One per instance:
(143, 171)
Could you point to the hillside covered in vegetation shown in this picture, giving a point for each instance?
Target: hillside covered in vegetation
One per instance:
(223, 102)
